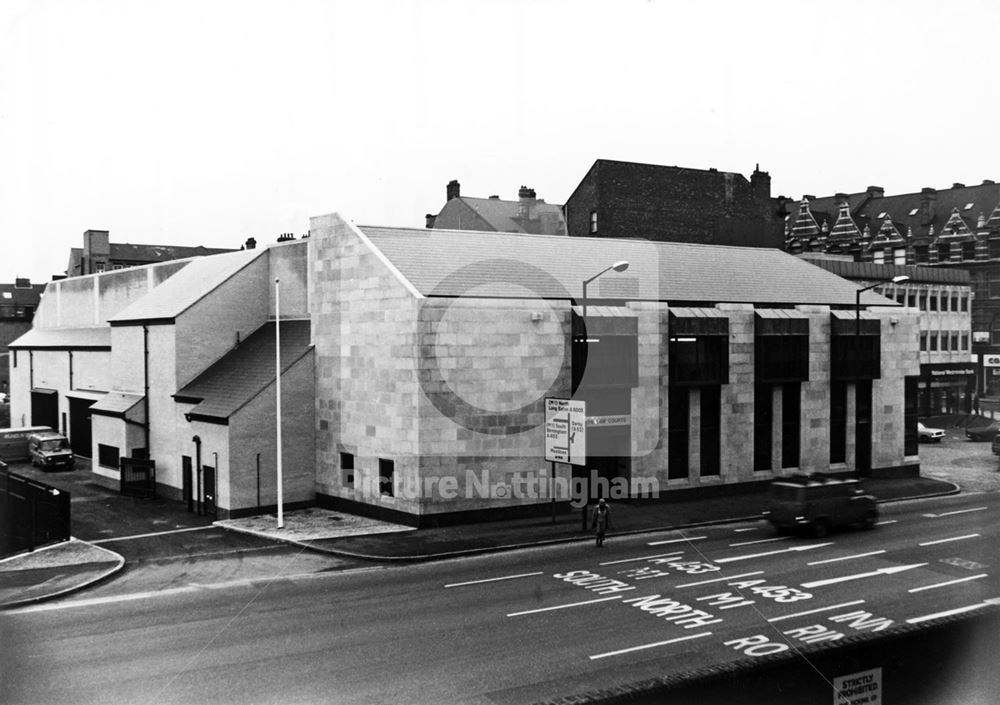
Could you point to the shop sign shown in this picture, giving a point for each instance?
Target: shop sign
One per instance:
(948, 370)
(980, 336)
(991, 360)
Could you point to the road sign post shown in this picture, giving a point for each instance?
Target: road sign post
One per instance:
(565, 437)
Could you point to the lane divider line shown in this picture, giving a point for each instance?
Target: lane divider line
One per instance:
(957, 511)
(644, 558)
(887, 521)
(953, 538)
(721, 580)
(957, 610)
(650, 646)
(493, 580)
(562, 607)
(683, 540)
(846, 558)
(751, 543)
(950, 582)
(819, 609)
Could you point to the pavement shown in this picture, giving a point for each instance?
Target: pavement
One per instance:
(60, 569)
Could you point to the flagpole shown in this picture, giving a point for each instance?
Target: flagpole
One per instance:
(277, 383)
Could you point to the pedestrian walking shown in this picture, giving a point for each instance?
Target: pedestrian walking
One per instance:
(601, 522)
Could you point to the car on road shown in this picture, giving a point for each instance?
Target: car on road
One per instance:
(995, 446)
(819, 504)
(49, 450)
(929, 434)
(982, 433)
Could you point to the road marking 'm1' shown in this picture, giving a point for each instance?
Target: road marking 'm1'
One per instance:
(562, 607)
(492, 580)
(821, 609)
(957, 511)
(953, 538)
(644, 558)
(845, 558)
(650, 646)
(720, 580)
(950, 582)
(689, 538)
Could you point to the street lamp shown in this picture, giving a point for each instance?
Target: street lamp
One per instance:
(857, 339)
(620, 266)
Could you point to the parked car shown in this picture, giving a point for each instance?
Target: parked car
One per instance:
(819, 504)
(926, 433)
(996, 444)
(982, 433)
(50, 450)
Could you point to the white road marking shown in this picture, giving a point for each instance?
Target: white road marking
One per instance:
(887, 521)
(562, 607)
(771, 553)
(953, 538)
(750, 543)
(493, 580)
(644, 558)
(721, 580)
(819, 609)
(950, 582)
(892, 570)
(957, 610)
(957, 511)
(650, 646)
(155, 533)
(739, 531)
(846, 558)
(689, 538)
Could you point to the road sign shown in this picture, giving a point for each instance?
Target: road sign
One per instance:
(566, 431)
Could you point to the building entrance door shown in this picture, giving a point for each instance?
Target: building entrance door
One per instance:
(863, 427)
(79, 425)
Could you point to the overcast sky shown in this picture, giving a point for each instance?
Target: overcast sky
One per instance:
(208, 122)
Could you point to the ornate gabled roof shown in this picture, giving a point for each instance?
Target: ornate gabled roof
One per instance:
(805, 232)
(844, 229)
(888, 233)
(955, 226)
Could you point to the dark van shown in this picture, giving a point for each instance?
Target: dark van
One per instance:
(50, 450)
(819, 504)
(14, 442)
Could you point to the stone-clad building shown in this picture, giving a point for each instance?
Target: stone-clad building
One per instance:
(416, 364)
(675, 204)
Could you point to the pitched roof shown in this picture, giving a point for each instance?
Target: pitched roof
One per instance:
(245, 371)
(119, 404)
(451, 263)
(503, 216)
(14, 295)
(148, 254)
(95, 338)
(870, 271)
(185, 288)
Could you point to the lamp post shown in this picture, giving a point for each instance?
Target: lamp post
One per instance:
(277, 386)
(857, 345)
(619, 266)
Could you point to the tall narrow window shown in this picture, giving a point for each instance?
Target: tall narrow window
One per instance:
(678, 427)
(386, 477)
(763, 424)
(593, 222)
(711, 421)
(347, 466)
(838, 422)
(791, 410)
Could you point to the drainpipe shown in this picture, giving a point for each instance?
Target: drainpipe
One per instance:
(197, 463)
(31, 369)
(145, 396)
(70, 369)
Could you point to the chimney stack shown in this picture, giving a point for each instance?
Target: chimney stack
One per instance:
(875, 192)
(957, 185)
(454, 189)
(429, 219)
(251, 244)
(526, 194)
